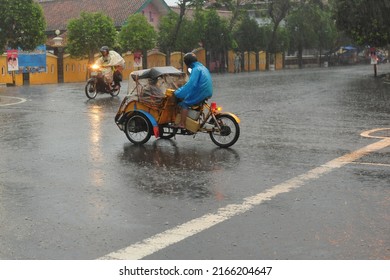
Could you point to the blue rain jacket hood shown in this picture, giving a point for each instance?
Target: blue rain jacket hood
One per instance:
(198, 88)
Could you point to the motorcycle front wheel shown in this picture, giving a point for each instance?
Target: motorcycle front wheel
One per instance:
(115, 92)
(229, 132)
(138, 128)
(91, 89)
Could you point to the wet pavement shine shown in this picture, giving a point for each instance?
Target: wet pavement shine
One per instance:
(309, 177)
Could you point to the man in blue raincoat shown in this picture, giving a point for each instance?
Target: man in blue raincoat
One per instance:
(198, 88)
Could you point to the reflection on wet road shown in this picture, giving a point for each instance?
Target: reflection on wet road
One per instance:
(192, 173)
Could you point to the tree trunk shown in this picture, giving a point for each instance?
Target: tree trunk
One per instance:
(182, 7)
(144, 59)
(249, 61)
(168, 58)
(300, 58)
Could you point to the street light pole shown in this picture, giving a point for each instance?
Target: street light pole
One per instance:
(60, 56)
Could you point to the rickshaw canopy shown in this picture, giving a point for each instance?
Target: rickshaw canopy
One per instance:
(155, 72)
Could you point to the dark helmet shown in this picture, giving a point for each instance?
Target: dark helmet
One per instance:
(104, 50)
(190, 58)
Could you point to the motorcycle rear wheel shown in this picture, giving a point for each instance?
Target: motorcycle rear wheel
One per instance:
(138, 128)
(91, 89)
(229, 133)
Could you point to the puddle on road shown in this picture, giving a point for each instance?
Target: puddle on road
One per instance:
(165, 169)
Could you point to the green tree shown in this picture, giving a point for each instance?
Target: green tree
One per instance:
(281, 38)
(183, 7)
(365, 21)
(326, 30)
(301, 27)
(238, 8)
(165, 36)
(249, 36)
(186, 39)
(22, 24)
(87, 34)
(216, 35)
(277, 11)
(183, 4)
(138, 35)
(213, 34)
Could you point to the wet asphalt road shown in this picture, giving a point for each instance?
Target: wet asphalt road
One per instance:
(73, 187)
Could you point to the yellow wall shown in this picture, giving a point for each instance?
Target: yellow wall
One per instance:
(278, 61)
(230, 61)
(262, 60)
(156, 59)
(75, 70)
(252, 57)
(176, 59)
(129, 65)
(4, 76)
(252, 63)
(201, 55)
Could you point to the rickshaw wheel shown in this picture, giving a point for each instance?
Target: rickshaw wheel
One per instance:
(138, 128)
(167, 132)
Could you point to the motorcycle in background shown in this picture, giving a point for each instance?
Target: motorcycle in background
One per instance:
(96, 83)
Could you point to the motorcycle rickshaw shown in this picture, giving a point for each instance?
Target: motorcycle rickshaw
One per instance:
(150, 108)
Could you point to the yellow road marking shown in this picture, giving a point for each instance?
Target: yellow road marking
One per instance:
(369, 133)
(372, 163)
(172, 236)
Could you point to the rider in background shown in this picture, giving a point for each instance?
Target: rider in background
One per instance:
(109, 60)
(198, 88)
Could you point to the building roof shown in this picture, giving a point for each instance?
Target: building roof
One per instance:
(59, 12)
(190, 12)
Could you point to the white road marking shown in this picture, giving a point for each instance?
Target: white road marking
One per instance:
(372, 164)
(8, 103)
(169, 237)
